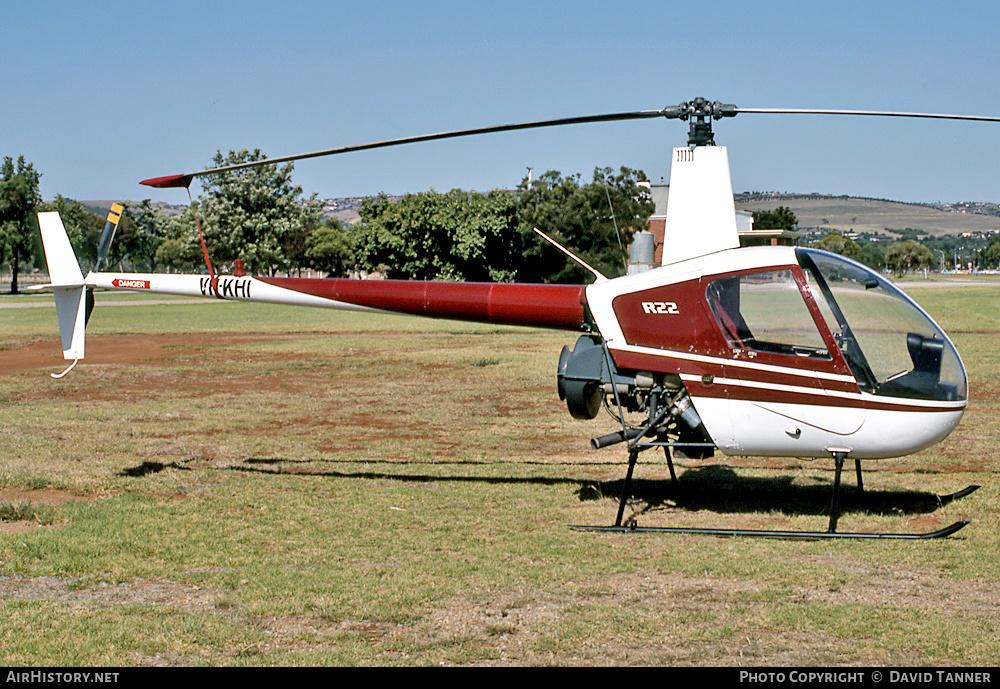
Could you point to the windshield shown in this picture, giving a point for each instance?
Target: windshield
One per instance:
(892, 346)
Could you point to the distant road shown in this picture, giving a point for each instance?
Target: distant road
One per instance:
(947, 283)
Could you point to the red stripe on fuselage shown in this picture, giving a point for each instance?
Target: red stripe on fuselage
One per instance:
(547, 306)
(719, 378)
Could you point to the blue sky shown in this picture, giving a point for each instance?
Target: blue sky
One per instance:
(99, 95)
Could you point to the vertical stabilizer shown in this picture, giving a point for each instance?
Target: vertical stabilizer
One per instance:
(67, 284)
(64, 271)
(701, 214)
(71, 308)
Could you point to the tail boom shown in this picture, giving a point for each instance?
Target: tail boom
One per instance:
(560, 307)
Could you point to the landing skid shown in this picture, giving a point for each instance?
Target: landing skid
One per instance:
(831, 532)
(797, 535)
(968, 490)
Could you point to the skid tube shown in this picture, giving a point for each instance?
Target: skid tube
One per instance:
(789, 535)
(831, 532)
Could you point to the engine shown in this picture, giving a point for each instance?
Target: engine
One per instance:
(588, 379)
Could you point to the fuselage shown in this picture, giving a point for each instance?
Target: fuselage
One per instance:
(789, 352)
(783, 351)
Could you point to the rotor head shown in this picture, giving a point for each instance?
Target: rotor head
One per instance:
(700, 113)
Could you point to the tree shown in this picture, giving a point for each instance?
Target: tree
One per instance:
(781, 218)
(872, 254)
(19, 199)
(596, 221)
(489, 237)
(328, 248)
(141, 232)
(179, 247)
(907, 255)
(989, 257)
(836, 243)
(432, 236)
(251, 213)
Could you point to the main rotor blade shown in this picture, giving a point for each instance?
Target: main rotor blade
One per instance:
(185, 179)
(871, 113)
(700, 111)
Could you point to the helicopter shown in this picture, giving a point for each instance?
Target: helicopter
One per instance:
(778, 351)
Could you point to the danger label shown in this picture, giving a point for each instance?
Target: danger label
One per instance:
(130, 284)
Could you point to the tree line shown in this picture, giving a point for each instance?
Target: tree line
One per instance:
(260, 217)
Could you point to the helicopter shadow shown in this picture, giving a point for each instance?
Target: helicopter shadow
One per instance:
(722, 490)
(714, 488)
(328, 469)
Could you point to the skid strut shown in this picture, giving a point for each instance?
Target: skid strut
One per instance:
(831, 533)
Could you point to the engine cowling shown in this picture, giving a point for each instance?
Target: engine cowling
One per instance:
(581, 375)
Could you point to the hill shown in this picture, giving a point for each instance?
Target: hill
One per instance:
(874, 216)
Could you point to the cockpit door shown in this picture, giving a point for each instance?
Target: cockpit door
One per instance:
(791, 385)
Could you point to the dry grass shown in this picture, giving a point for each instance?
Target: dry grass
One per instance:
(387, 491)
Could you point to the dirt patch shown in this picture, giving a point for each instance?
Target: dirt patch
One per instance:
(43, 496)
(902, 587)
(161, 358)
(20, 526)
(130, 349)
(187, 597)
(47, 497)
(510, 624)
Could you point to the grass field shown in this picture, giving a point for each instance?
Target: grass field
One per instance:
(227, 484)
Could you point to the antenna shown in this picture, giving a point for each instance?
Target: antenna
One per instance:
(600, 276)
(614, 222)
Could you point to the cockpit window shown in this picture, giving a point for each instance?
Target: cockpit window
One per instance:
(892, 346)
(765, 312)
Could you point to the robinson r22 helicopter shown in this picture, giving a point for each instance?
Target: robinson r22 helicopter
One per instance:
(764, 351)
